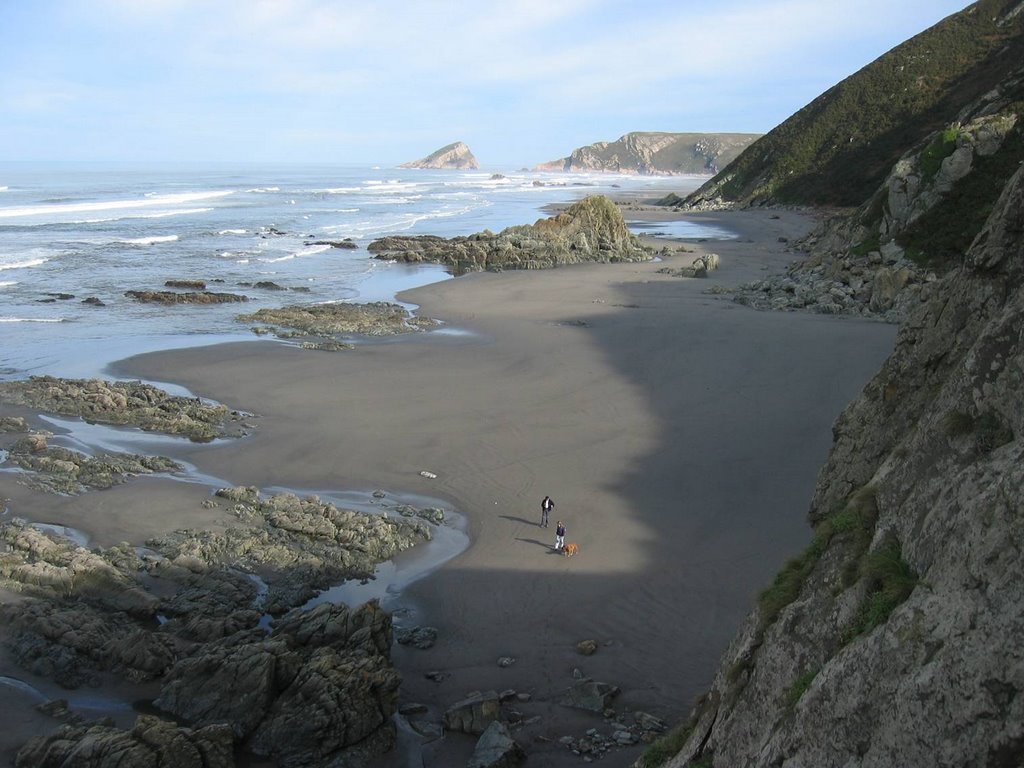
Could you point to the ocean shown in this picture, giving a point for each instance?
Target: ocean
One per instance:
(71, 232)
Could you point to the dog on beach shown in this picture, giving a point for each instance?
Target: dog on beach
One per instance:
(570, 549)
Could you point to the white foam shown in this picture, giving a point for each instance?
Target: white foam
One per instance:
(157, 215)
(310, 251)
(233, 232)
(264, 189)
(5, 283)
(150, 200)
(4, 189)
(149, 240)
(342, 190)
(31, 319)
(24, 264)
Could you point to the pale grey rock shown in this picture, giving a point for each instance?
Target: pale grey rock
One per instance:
(454, 156)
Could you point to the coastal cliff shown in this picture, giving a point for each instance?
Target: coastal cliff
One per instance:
(655, 153)
(894, 637)
(455, 156)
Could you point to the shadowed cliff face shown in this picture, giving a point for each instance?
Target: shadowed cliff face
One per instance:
(894, 639)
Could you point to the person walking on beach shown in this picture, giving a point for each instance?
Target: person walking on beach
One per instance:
(559, 536)
(546, 505)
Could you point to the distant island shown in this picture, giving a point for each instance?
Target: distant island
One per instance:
(455, 156)
(656, 153)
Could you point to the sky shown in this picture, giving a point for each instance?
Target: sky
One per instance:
(379, 81)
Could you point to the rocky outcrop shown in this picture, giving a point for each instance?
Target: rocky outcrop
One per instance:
(151, 742)
(185, 297)
(378, 318)
(125, 403)
(322, 681)
(653, 153)
(894, 637)
(590, 230)
(60, 470)
(456, 156)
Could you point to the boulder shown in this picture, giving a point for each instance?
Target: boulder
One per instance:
(418, 637)
(496, 749)
(589, 695)
(474, 713)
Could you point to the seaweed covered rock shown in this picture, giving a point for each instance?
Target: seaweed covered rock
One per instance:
(378, 318)
(185, 297)
(124, 402)
(297, 545)
(590, 230)
(60, 470)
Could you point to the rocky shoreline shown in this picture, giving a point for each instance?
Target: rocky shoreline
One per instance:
(213, 620)
(590, 230)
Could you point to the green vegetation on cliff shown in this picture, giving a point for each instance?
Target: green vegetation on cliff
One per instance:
(839, 148)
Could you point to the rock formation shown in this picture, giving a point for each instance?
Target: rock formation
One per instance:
(454, 156)
(151, 742)
(590, 230)
(126, 403)
(185, 297)
(655, 153)
(378, 318)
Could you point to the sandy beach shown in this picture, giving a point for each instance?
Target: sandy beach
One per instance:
(678, 433)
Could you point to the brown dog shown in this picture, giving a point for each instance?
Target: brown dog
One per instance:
(570, 549)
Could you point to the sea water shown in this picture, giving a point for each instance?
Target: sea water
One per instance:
(69, 232)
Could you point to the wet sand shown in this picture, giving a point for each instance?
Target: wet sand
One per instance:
(678, 433)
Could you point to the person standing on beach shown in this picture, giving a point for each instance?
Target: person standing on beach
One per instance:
(546, 505)
(559, 536)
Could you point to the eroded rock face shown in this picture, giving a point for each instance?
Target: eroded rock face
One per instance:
(151, 742)
(473, 714)
(654, 153)
(496, 749)
(124, 402)
(590, 230)
(895, 638)
(455, 156)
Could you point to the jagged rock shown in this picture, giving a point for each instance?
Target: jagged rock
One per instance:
(590, 230)
(188, 297)
(93, 301)
(151, 742)
(418, 637)
(268, 285)
(589, 695)
(321, 682)
(496, 749)
(72, 642)
(456, 156)
(60, 470)
(375, 319)
(37, 564)
(300, 546)
(122, 402)
(474, 713)
(431, 514)
(196, 285)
